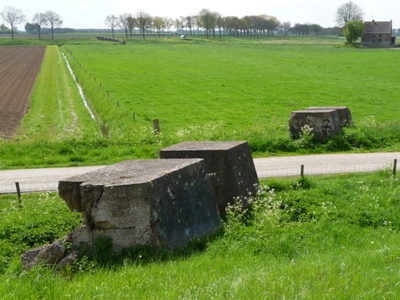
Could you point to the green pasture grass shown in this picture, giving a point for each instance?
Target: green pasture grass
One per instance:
(242, 85)
(223, 90)
(322, 237)
(204, 89)
(57, 119)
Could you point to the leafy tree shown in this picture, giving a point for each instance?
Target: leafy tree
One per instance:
(4, 29)
(233, 25)
(40, 19)
(53, 20)
(143, 20)
(348, 12)
(285, 26)
(112, 22)
(353, 30)
(31, 28)
(270, 24)
(207, 20)
(12, 16)
(131, 24)
(316, 29)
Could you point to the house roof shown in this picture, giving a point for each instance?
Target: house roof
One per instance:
(378, 27)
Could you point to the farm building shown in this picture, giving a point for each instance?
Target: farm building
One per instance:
(378, 34)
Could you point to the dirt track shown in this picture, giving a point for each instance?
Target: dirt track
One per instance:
(19, 67)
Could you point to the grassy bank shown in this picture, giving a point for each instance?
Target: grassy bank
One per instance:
(333, 237)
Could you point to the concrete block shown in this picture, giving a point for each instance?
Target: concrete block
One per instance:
(229, 164)
(343, 113)
(159, 203)
(324, 122)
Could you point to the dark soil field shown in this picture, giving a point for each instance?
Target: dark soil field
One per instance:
(19, 67)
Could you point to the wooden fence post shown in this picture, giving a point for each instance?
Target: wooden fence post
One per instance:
(18, 192)
(302, 171)
(156, 124)
(394, 167)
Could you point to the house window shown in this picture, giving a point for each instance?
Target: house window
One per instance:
(373, 39)
(380, 38)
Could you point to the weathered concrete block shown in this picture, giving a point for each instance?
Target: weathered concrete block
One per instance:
(49, 255)
(159, 203)
(343, 113)
(230, 163)
(324, 122)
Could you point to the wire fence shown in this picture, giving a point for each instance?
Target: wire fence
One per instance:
(304, 170)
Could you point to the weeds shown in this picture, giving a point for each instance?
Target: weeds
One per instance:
(345, 228)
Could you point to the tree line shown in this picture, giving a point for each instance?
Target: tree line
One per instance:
(208, 23)
(14, 16)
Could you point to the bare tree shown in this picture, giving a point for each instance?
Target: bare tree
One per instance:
(112, 22)
(158, 24)
(53, 20)
(179, 24)
(143, 21)
(12, 16)
(219, 23)
(348, 12)
(39, 19)
(190, 21)
(131, 24)
(169, 22)
(124, 23)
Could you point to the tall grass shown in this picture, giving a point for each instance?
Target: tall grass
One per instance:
(333, 237)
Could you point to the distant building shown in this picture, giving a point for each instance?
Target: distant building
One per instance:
(378, 34)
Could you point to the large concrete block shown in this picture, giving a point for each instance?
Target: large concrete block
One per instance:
(160, 203)
(230, 164)
(324, 122)
(343, 113)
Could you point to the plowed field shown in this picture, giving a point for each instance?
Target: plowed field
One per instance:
(19, 67)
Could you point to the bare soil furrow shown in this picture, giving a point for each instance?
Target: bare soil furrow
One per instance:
(19, 67)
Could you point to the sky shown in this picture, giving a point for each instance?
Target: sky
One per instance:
(85, 14)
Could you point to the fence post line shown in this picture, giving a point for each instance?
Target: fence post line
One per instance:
(18, 192)
(394, 167)
(302, 171)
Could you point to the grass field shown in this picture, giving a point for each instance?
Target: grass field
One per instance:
(242, 85)
(229, 89)
(333, 237)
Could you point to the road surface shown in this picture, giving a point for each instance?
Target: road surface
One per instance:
(37, 180)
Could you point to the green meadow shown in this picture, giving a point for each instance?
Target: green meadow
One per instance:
(200, 89)
(332, 237)
(323, 237)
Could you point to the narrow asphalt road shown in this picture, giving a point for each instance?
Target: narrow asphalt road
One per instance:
(36, 180)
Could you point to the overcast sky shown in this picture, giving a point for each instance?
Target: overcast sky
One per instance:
(92, 13)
